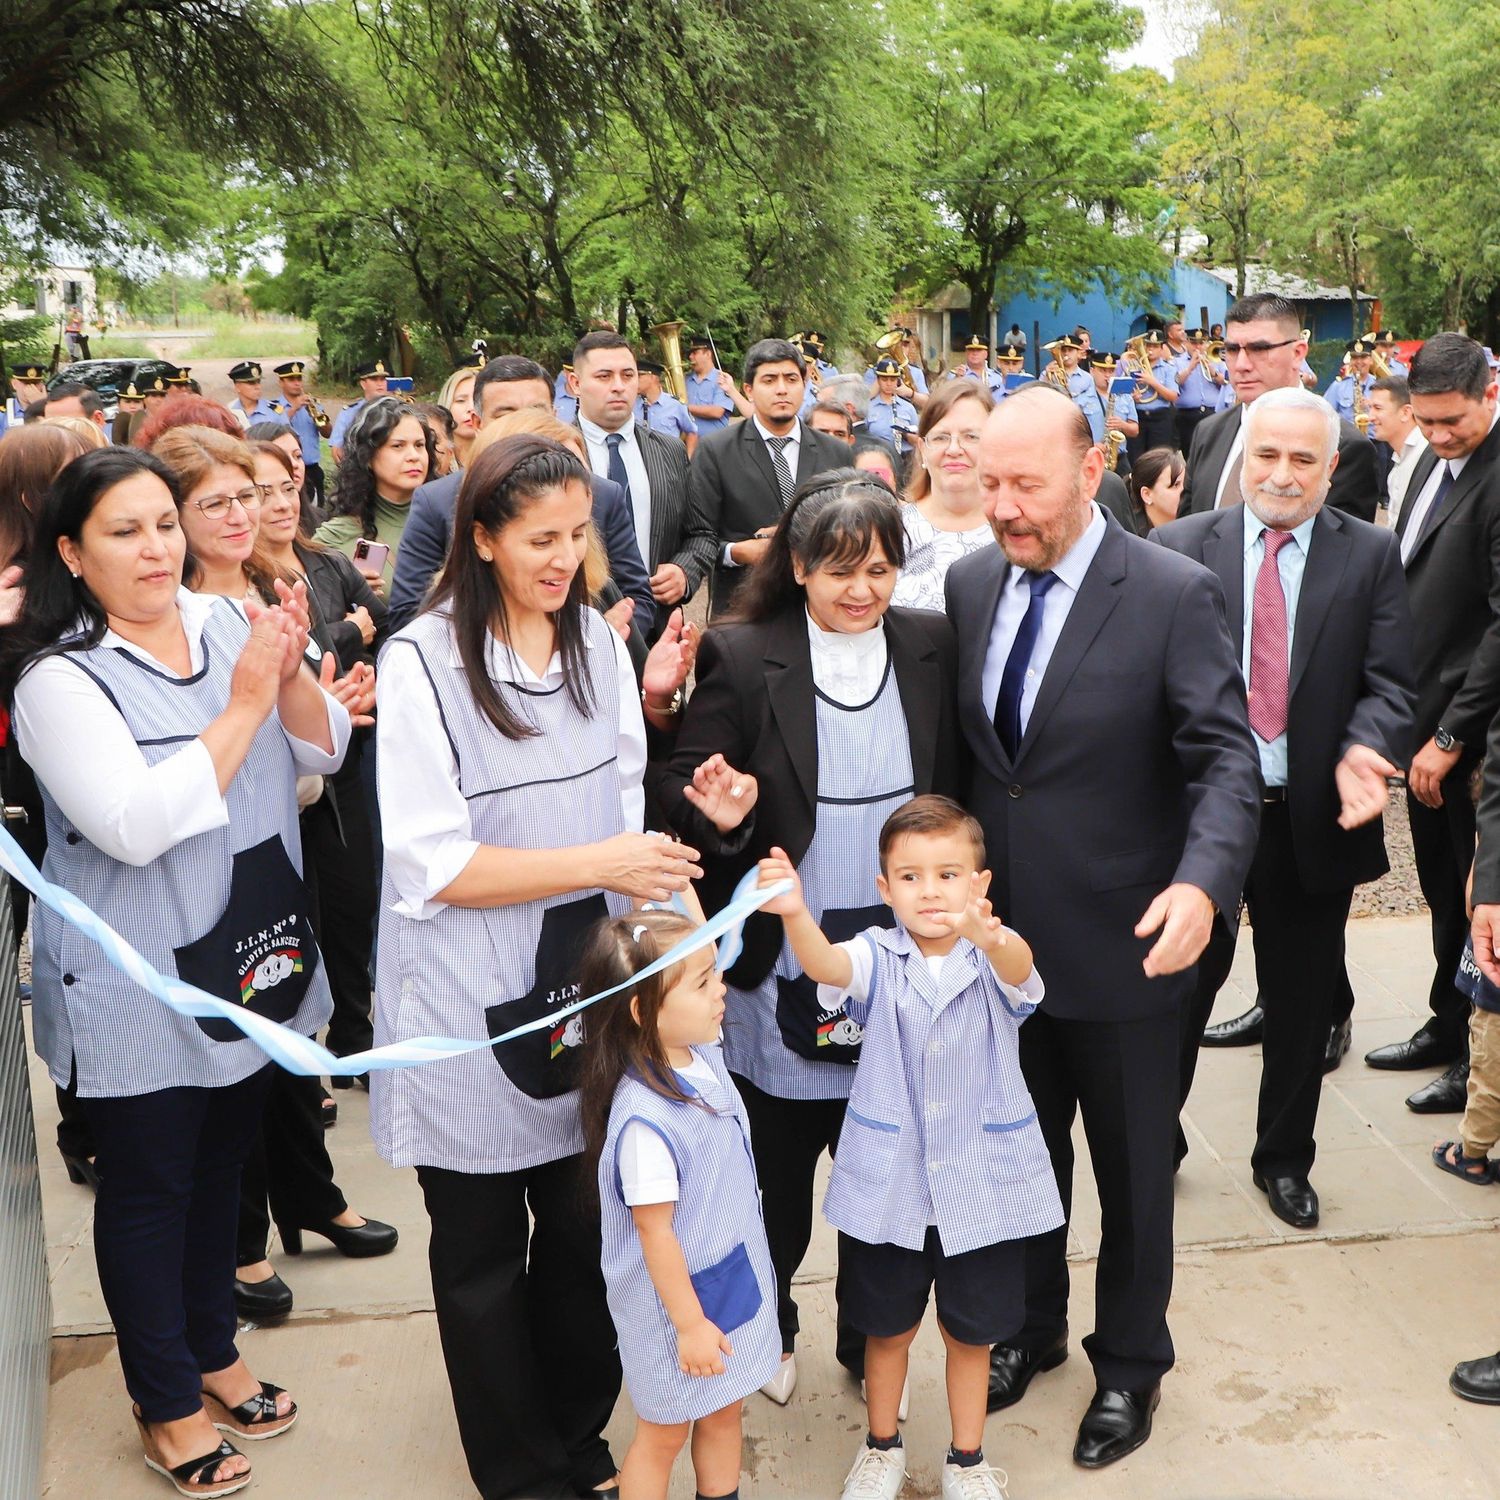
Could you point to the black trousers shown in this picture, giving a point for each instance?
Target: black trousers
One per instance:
(1187, 424)
(1442, 840)
(1122, 1075)
(343, 902)
(312, 484)
(525, 1327)
(1299, 956)
(164, 1229)
(288, 1169)
(787, 1136)
(1158, 430)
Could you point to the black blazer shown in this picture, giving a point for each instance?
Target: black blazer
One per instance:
(754, 704)
(1355, 487)
(1453, 578)
(734, 493)
(1351, 681)
(1137, 770)
(674, 538)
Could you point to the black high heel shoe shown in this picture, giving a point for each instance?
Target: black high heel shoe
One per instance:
(257, 1301)
(358, 1241)
(81, 1171)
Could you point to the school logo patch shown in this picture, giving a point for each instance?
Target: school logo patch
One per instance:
(270, 971)
(569, 1034)
(840, 1032)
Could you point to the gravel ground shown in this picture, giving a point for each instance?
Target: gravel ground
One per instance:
(1398, 895)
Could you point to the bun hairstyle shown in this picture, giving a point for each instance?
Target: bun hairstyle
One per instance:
(616, 1042)
(836, 517)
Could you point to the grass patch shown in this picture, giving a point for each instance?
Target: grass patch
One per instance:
(213, 336)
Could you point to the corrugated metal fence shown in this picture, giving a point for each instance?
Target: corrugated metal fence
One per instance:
(25, 1305)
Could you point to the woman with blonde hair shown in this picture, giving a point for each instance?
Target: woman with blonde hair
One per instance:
(90, 434)
(457, 395)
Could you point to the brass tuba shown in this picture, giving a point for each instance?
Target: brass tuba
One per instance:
(895, 340)
(670, 335)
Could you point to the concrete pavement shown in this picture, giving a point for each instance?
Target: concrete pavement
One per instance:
(1309, 1365)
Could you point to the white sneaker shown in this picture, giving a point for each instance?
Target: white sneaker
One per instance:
(904, 1408)
(781, 1385)
(977, 1482)
(877, 1473)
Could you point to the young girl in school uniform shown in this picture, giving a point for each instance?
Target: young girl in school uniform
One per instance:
(686, 1264)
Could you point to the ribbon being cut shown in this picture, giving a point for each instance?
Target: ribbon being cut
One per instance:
(302, 1055)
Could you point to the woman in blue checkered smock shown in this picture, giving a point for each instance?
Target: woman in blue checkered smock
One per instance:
(511, 750)
(167, 733)
(841, 708)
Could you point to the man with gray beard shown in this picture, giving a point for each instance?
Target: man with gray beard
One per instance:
(1331, 702)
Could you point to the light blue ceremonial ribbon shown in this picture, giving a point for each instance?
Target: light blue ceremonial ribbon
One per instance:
(299, 1054)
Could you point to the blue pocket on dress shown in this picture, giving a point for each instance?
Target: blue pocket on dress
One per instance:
(728, 1292)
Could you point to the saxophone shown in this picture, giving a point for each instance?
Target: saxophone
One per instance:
(1114, 439)
(1361, 406)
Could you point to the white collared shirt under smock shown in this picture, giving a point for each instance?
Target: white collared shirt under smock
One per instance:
(848, 668)
(1057, 603)
(1422, 503)
(596, 439)
(792, 453)
(427, 834)
(930, 552)
(941, 1128)
(1290, 563)
(68, 730)
(1403, 465)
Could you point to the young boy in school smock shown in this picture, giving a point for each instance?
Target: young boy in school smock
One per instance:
(941, 1173)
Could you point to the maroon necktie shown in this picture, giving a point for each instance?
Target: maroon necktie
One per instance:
(1268, 650)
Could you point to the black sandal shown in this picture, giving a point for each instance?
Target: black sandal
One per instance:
(254, 1419)
(1461, 1164)
(196, 1476)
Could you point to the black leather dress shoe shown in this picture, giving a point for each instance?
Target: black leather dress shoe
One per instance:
(1447, 1094)
(1340, 1034)
(1243, 1031)
(1422, 1050)
(1292, 1199)
(1477, 1380)
(1116, 1423)
(1012, 1370)
(259, 1300)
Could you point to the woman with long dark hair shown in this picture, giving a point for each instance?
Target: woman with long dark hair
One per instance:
(818, 709)
(512, 750)
(167, 732)
(388, 452)
(1155, 489)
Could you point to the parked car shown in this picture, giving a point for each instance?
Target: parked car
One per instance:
(108, 377)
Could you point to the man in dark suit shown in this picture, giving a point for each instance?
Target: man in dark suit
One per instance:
(1449, 532)
(506, 384)
(651, 467)
(744, 475)
(1330, 704)
(1264, 349)
(1117, 783)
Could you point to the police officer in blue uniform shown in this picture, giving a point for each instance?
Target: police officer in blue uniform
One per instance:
(1340, 395)
(977, 366)
(710, 391)
(892, 418)
(308, 420)
(1115, 413)
(564, 402)
(1156, 396)
(1200, 382)
(28, 383)
(372, 376)
(1070, 352)
(915, 390)
(813, 345)
(1384, 344)
(128, 402)
(249, 405)
(1010, 359)
(180, 378)
(660, 410)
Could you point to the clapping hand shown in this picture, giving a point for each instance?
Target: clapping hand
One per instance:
(977, 921)
(1361, 780)
(356, 690)
(723, 795)
(671, 659)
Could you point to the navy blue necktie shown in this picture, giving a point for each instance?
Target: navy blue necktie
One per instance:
(617, 467)
(1013, 682)
(1430, 519)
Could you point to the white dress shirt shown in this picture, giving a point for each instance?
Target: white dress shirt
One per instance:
(428, 837)
(1057, 603)
(1402, 465)
(847, 668)
(792, 452)
(1423, 502)
(596, 439)
(81, 749)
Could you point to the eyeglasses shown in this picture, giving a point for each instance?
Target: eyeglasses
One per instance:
(286, 488)
(216, 507)
(1255, 350)
(951, 440)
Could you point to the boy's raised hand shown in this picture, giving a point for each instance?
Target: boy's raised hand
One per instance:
(776, 867)
(977, 921)
(700, 1347)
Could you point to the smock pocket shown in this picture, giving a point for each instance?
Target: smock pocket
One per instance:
(728, 1292)
(808, 1030)
(1010, 1148)
(867, 1148)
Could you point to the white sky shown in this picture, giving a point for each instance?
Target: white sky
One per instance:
(1170, 28)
